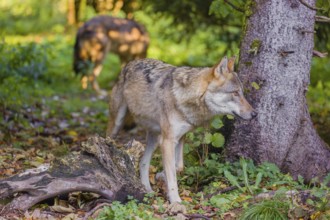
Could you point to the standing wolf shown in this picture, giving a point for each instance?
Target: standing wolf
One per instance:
(103, 34)
(168, 102)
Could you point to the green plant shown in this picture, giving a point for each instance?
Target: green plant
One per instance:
(267, 209)
(244, 175)
(29, 61)
(318, 102)
(201, 164)
(130, 211)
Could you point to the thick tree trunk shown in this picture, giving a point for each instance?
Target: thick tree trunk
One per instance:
(276, 53)
(101, 168)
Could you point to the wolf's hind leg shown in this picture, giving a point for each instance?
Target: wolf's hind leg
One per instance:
(152, 142)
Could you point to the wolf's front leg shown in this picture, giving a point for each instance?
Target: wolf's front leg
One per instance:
(168, 153)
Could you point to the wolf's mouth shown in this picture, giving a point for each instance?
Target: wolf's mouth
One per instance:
(237, 115)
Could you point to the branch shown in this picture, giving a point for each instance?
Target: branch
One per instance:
(234, 6)
(199, 216)
(320, 18)
(309, 6)
(319, 54)
(90, 213)
(102, 168)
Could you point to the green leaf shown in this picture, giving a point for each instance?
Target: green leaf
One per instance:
(190, 136)
(258, 180)
(218, 201)
(255, 85)
(217, 123)
(246, 178)
(233, 180)
(218, 140)
(208, 138)
(300, 179)
(223, 11)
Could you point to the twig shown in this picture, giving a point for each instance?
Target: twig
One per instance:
(284, 53)
(309, 6)
(93, 203)
(198, 216)
(320, 18)
(234, 6)
(319, 54)
(307, 32)
(231, 188)
(91, 212)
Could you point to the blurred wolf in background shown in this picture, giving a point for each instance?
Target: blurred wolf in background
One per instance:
(168, 102)
(103, 34)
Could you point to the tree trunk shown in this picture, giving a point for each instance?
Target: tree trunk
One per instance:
(101, 168)
(276, 52)
(71, 17)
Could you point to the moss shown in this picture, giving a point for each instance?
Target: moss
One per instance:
(248, 63)
(73, 165)
(256, 43)
(255, 46)
(249, 10)
(61, 151)
(249, 7)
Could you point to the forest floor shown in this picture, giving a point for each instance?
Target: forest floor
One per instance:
(50, 117)
(38, 133)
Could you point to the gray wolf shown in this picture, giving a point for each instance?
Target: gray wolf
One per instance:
(103, 34)
(168, 102)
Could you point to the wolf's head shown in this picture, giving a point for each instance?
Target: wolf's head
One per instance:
(224, 94)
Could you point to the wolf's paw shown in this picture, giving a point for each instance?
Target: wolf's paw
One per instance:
(175, 208)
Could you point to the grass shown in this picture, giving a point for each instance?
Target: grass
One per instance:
(267, 209)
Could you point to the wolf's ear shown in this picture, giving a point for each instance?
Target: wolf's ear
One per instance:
(221, 68)
(231, 63)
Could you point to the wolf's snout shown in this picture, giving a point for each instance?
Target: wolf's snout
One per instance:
(254, 114)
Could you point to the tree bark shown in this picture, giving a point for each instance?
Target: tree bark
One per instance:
(71, 17)
(100, 168)
(276, 52)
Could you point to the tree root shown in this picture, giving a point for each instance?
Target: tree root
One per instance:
(101, 167)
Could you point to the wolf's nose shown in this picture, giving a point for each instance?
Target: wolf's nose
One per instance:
(254, 114)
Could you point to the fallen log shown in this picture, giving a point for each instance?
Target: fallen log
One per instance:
(101, 167)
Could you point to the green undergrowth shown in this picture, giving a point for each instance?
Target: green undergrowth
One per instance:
(41, 97)
(318, 98)
(241, 190)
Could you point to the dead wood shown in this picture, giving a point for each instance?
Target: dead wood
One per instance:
(101, 167)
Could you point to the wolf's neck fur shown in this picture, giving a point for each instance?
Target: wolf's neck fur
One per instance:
(190, 95)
